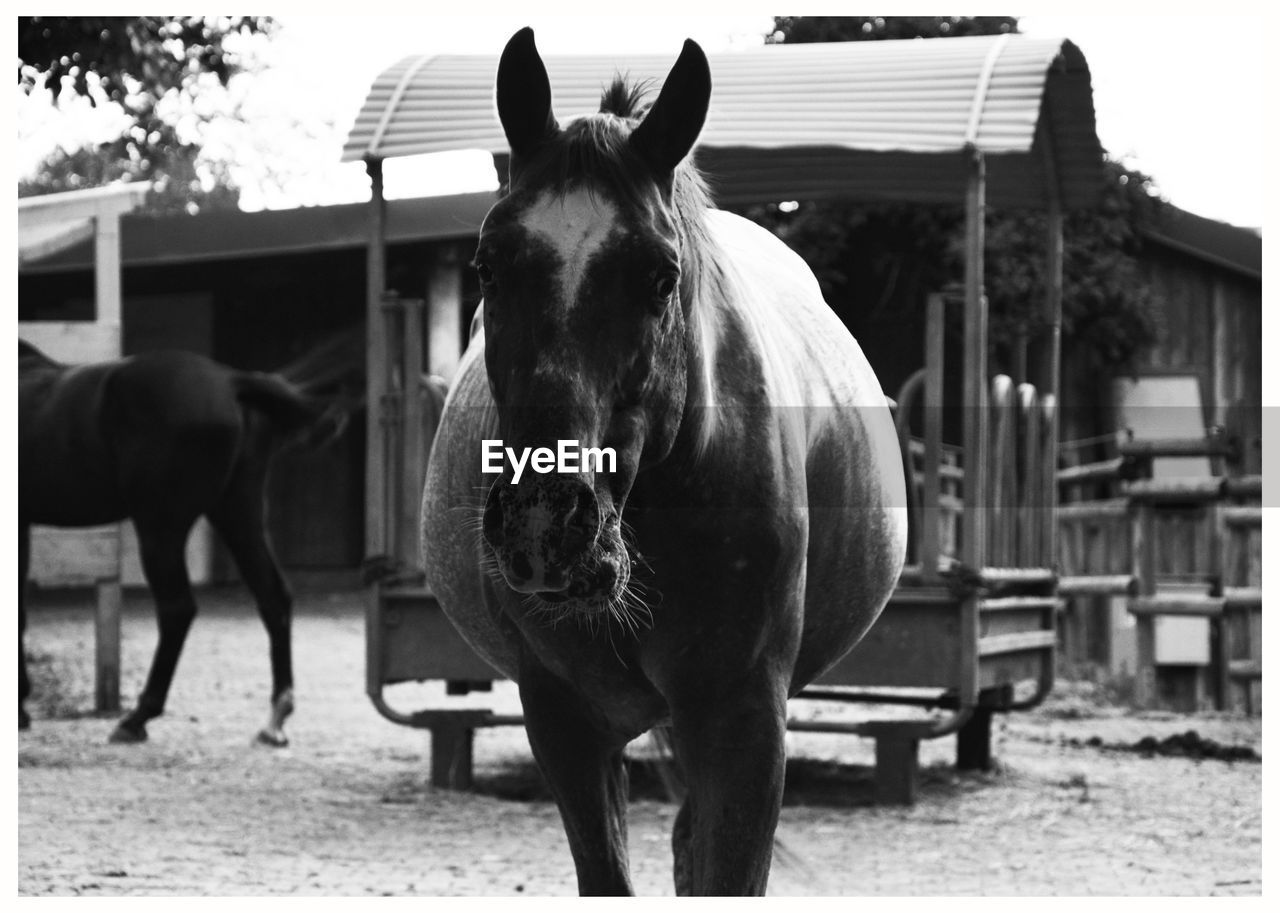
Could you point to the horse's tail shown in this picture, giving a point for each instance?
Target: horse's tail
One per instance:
(294, 415)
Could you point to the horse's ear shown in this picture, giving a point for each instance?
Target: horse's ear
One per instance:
(672, 125)
(524, 96)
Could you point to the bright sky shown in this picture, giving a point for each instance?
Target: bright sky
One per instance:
(1179, 97)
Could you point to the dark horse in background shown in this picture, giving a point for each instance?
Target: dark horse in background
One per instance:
(163, 439)
(755, 523)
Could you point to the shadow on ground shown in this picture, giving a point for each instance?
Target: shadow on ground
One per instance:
(809, 782)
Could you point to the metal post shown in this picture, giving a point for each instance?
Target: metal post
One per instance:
(375, 359)
(976, 445)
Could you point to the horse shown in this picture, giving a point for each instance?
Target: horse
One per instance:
(752, 524)
(163, 438)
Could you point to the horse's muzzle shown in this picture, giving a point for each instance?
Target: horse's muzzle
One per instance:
(550, 539)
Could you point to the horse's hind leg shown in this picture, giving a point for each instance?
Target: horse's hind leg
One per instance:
(585, 771)
(164, 563)
(240, 518)
(24, 561)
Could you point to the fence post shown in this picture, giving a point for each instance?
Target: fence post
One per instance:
(1142, 549)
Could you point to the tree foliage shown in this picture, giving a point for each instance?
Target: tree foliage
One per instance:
(141, 64)
(804, 29)
(877, 262)
(178, 177)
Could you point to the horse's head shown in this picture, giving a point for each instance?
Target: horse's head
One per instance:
(587, 267)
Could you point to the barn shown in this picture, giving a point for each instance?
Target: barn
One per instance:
(261, 291)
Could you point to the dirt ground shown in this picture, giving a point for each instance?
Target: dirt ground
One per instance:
(346, 809)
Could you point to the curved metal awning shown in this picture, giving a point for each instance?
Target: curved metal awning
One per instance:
(870, 120)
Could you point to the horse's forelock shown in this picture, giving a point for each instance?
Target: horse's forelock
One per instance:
(625, 99)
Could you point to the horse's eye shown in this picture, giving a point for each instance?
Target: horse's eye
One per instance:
(485, 273)
(664, 287)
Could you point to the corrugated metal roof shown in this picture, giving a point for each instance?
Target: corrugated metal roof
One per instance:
(865, 119)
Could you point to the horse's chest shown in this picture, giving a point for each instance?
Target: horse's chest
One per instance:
(608, 675)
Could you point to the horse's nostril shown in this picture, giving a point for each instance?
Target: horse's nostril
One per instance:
(585, 515)
(521, 567)
(583, 522)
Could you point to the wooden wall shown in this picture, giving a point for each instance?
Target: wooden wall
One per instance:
(1210, 325)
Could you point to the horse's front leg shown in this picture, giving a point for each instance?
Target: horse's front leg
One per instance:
(584, 769)
(728, 741)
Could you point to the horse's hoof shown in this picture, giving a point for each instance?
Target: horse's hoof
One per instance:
(271, 739)
(122, 735)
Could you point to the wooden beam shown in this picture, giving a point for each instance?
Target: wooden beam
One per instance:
(444, 313)
(106, 627)
(1046, 373)
(976, 495)
(375, 362)
(935, 361)
(1142, 549)
(413, 443)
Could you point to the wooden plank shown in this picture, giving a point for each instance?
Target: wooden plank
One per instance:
(897, 769)
(1016, 603)
(413, 443)
(1186, 604)
(1016, 642)
(1084, 511)
(389, 410)
(974, 388)
(1149, 448)
(1246, 668)
(1021, 576)
(935, 359)
(1047, 491)
(1030, 528)
(1238, 598)
(1142, 553)
(1242, 517)
(1001, 468)
(444, 317)
(1184, 489)
(73, 342)
(1249, 486)
(375, 504)
(1098, 585)
(1090, 472)
(106, 624)
(74, 557)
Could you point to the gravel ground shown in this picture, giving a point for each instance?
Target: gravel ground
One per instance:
(346, 810)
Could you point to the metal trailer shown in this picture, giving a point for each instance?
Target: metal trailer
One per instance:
(970, 630)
